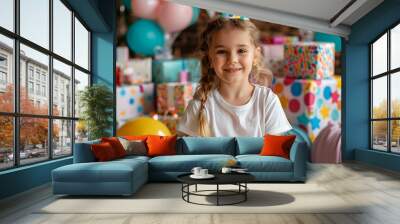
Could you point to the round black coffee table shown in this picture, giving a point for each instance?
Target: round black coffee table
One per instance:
(238, 179)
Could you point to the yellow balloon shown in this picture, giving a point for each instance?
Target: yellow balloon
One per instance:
(143, 126)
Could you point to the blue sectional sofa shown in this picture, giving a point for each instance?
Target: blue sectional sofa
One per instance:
(125, 176)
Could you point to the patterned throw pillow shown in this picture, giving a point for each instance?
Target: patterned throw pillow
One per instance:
(134, 147)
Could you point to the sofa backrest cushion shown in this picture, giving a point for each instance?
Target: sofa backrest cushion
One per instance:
(83, 152)
(206, 145)
(249, 145)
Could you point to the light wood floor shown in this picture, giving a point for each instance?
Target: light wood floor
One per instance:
(378, 188)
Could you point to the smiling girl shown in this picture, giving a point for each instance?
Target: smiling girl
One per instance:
(225, 102)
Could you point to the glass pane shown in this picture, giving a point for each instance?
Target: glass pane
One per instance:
(62, 29)
(395, 128)
(6, 74)
(395, 94)
(395, 47)
(379, 55)
(7, 14)
(81, 81)
(379, 98)
(62, 89)
(35, 21)
(6, 142)
(62, 141)
(81, 45)
(33, 139)
(379, 135)
(34, 97)
(81, 131)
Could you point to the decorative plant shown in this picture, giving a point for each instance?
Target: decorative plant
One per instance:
(96, 103)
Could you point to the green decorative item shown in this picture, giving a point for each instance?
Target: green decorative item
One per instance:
(97, 105)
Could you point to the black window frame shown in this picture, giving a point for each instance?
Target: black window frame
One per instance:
(16, 115)
(388, 74)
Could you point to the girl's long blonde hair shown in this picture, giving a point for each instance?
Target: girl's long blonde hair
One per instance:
(209, 79)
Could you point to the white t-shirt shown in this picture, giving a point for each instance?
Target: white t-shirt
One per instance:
(262, 114)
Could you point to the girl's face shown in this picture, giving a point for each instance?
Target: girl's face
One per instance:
(232, 54)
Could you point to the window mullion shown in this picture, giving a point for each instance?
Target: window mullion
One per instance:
(16, 84)
(73, 82)
(50, 81)
(389, 94)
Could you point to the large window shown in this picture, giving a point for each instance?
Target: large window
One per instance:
(385, 91)
(44, 64)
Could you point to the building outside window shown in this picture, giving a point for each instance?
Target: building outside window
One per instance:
(43, 90)
(3, 71)
(30, 72)
(385, 95)
(30, 87)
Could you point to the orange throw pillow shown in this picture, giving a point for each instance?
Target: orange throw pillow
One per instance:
(103, 151)
(161, 145)
(276, 145)
(116, 145)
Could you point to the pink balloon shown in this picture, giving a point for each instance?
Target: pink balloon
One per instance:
(145, 8)
(173, 17)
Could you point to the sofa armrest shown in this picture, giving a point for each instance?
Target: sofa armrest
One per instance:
(83, 152)
(299, 155)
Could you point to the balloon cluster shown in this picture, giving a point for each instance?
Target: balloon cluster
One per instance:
(157, 17)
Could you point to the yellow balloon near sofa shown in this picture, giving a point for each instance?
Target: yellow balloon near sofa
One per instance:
(144, 126)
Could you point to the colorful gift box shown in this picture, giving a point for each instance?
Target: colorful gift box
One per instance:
(169, 70)
(122, 55)
(274, 58)
(309, 60)
(174, 97)
(310, 104)
(285, 39)
(137, 71)
(133, 101)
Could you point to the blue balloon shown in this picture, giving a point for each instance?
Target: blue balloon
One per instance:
(195, 15)
(144, 36)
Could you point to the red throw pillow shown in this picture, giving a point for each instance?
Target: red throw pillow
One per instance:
(276, 145)
(103, 151)
(161, 145)
(116, 145)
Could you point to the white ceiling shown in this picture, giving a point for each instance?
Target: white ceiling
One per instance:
(314, 15)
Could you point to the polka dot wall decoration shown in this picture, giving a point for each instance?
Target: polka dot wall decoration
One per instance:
(134, 101)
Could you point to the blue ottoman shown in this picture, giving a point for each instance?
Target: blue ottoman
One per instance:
(118, 177)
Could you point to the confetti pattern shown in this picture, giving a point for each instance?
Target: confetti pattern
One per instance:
(133, 101)
(310, 104)
(313, 60)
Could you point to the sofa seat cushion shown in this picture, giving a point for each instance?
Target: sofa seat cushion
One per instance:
(111, 171)
(257, 163)
(185, 163)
